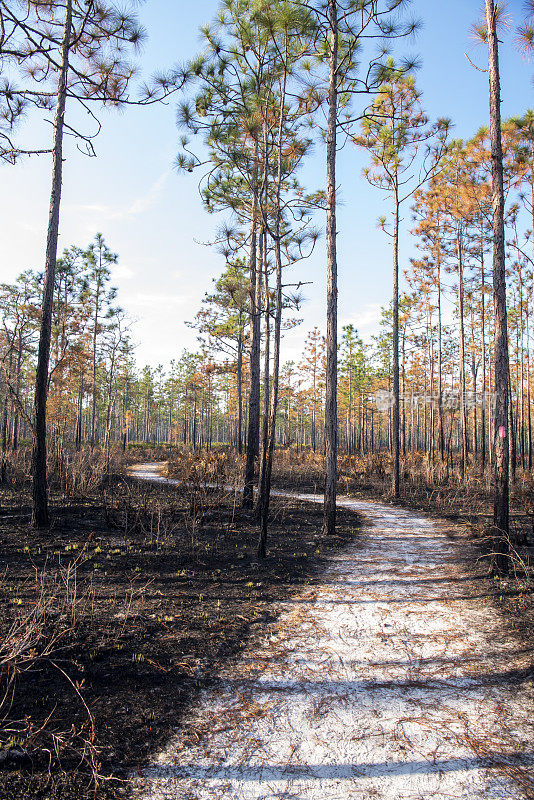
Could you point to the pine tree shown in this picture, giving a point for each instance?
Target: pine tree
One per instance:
(74, 52)
(223, 321)
(395, 130)
(344, 27)
(98, 259)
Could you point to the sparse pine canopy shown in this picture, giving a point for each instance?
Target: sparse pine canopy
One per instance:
(103, 43)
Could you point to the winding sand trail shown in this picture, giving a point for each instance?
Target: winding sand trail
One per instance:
(393, 678)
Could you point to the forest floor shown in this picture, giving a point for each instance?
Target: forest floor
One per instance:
(113, 621)
(395, 676)
(143, 639)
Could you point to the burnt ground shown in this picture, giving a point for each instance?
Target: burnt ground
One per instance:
(148, 593)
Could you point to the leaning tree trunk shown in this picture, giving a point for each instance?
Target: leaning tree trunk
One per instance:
(40, 515)
(502, 372)
(330, 423)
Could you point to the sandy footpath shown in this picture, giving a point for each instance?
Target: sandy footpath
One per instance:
(391, 679)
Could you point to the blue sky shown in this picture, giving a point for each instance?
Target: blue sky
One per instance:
(152, 216)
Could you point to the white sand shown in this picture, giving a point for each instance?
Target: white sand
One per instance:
(391, 679)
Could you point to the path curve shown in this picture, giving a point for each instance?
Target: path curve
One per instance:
(392, 679)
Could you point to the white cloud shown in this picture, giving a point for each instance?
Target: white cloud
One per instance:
(143, 203)
(164, 302)
(134, 209)
(365, 321)
(122, 273)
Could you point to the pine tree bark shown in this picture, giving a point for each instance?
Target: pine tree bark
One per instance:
(502, 372)
(40, 513)
(329, 520)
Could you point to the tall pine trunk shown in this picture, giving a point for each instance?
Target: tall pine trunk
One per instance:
(330, 425)
(502, 372)
(40, 514)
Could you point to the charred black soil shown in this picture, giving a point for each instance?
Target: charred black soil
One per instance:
(138, 597)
